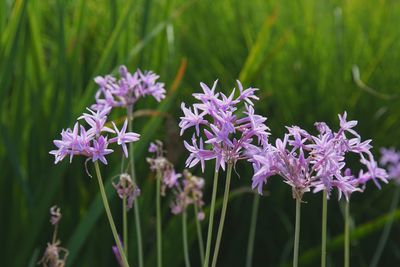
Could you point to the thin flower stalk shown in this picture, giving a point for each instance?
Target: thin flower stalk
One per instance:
(211, 219)
(317, 162)
(347, 234)
(136, 207)
(297, 234)
(124, 92)
(125, 226)
(199, 236)
(54, 255)
(324, 221)
(127, 191)
(252, 233)
(223, 214)
(185, 239)
(390, 158)
(158, 219)
(229, 126)
(109, 215)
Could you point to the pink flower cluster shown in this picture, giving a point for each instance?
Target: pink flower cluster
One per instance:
(128, 89)
(186, 189)
(308, 161)
(227, 128)
(92, 142)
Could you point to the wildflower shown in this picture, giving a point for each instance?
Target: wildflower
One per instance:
(188, 191)
(55, 213)
(391, 158)
(162, 166)
(117, 254)
(91, 142)
(306, 161)
(123, 137)
(128, 89)
(54, 255)
(127, 188)
(226, 128)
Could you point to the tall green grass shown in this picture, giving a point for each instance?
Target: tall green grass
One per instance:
(299, 53)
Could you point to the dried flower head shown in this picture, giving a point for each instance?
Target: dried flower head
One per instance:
(127, 188)
(54, 255)
(55, 213)
(187, 192)
(161, 165)
(226, 127)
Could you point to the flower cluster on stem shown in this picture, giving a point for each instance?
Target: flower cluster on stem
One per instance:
(391, 159)
(128, 89)
(223, 127)
(308, 161)
(54, 255)
(92, 142)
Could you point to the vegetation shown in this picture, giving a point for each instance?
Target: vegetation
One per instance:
(311, 60)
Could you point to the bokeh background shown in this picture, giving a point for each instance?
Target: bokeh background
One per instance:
(311, 59)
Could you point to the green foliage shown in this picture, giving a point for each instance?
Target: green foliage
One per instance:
(299, 53)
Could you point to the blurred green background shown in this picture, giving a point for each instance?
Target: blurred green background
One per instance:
(311, 59)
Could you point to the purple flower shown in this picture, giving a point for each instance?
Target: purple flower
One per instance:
(96, 120)
(226, 128)
(123, 137)
(306, 161)
(117, 254)
(91, 142)
(128, 89)
(188, 192)
(99, 149)
(163, 167)
(127, 188)
(391, 159)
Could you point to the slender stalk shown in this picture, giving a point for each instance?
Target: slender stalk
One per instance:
(386, 230)
(297, 234)
(324, 218)
(199, 235)
(252, 234)
(185, 240)
(347, 234)
(109, 216)
(124, 217)
(158, 218)
(125, 225)
(211, 219)
(135, 203)
(55, 233)
(223, 214)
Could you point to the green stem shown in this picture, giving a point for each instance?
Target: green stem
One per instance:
(386, 231)
(252, 234)
(125, 225)
(324, 218)
(223, 214)
(347, 234)
(124, 217)
(109, 216)
(158, 217)
(135, 203)
(297, 234)
(185, 239)
(211, 219)
(199, 235)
